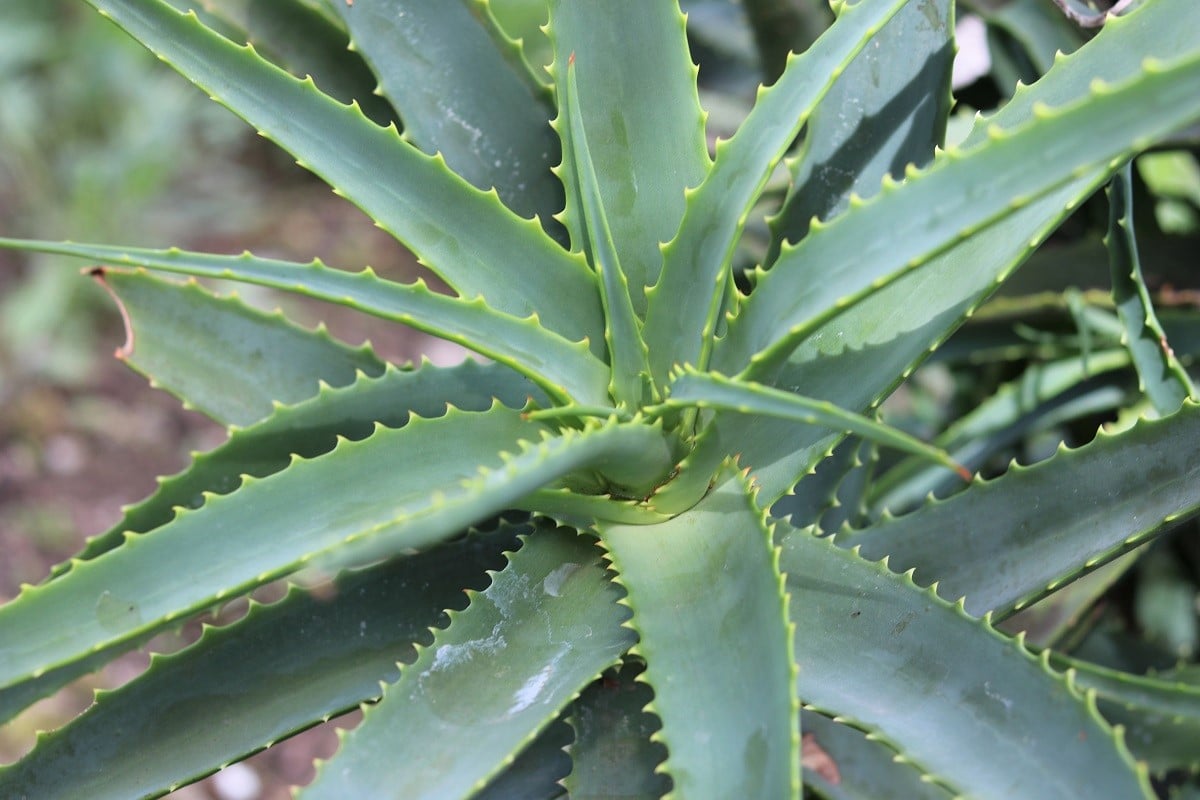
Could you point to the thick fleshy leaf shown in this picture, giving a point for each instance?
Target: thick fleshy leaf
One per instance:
(563, 367)
(933, 683)
(613, 754)
(459, 95)
(709, 574)
(685, 306)
(223, 358)
(713, 391)
(465, 235)
(504, 667)
(1163, 379)
(1011, 540)
(961, 192)
(862, 354)
(304, 40)
(1161, 715)
(456, 470)
(280, 669)
(645, 136)
(1043, 395)
(887, 110)
(841, 763)
(622, 328)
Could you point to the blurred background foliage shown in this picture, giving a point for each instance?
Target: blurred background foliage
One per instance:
(100, 142)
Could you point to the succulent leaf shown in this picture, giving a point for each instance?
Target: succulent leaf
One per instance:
(282, 668)
(1009, 541)
(505, 666)
(223, 358)
(519, 343)
(930, 681)
(465, 235)
(705, 698)
(460, 96)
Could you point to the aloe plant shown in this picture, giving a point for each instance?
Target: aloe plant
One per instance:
(592, 566)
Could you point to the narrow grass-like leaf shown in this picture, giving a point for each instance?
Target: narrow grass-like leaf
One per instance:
(710, 390)
(645, 136)
(887, 110)
(563, 368)
(932, 682)
(842, 763)
(962, 192)
(709, 574)
(459, 96)
(684, 307)
(1009, 541)
(1163, 379)
(613, 754)
(282, 668)
(465, 235)
(504, 667)
(223, 358)
(622, 328)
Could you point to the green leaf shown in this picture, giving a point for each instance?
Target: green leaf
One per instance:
(562, 368)
(711, 574)
(710, 390)
(1161, 716)
(887, 110)
(922, 676)
(1009, 541)
(460, 96)
(223, 358)
(456, 469)
(622, 328)
(305, 41)
(504, 667)
(859, 356)
(465, 235)
(280, 669)
(841, 763)
(961, 192)
(684, 307)
(783, 27)
(536, 772)
(1163, 379)
(1042, 396)
(613, 754)
(645, 137)
(313, 428)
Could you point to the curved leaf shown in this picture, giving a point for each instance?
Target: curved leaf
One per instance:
(465, 235)
(613, 754)
(684, 307)
(524, 648)
(223, 358)
(459, 96)
(561, 367)
(1009, 541)
(280, 669)
(933, 683)
(709, 574)
(887, 109)
(1164, 381)
(645, 137)
(962, 191)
